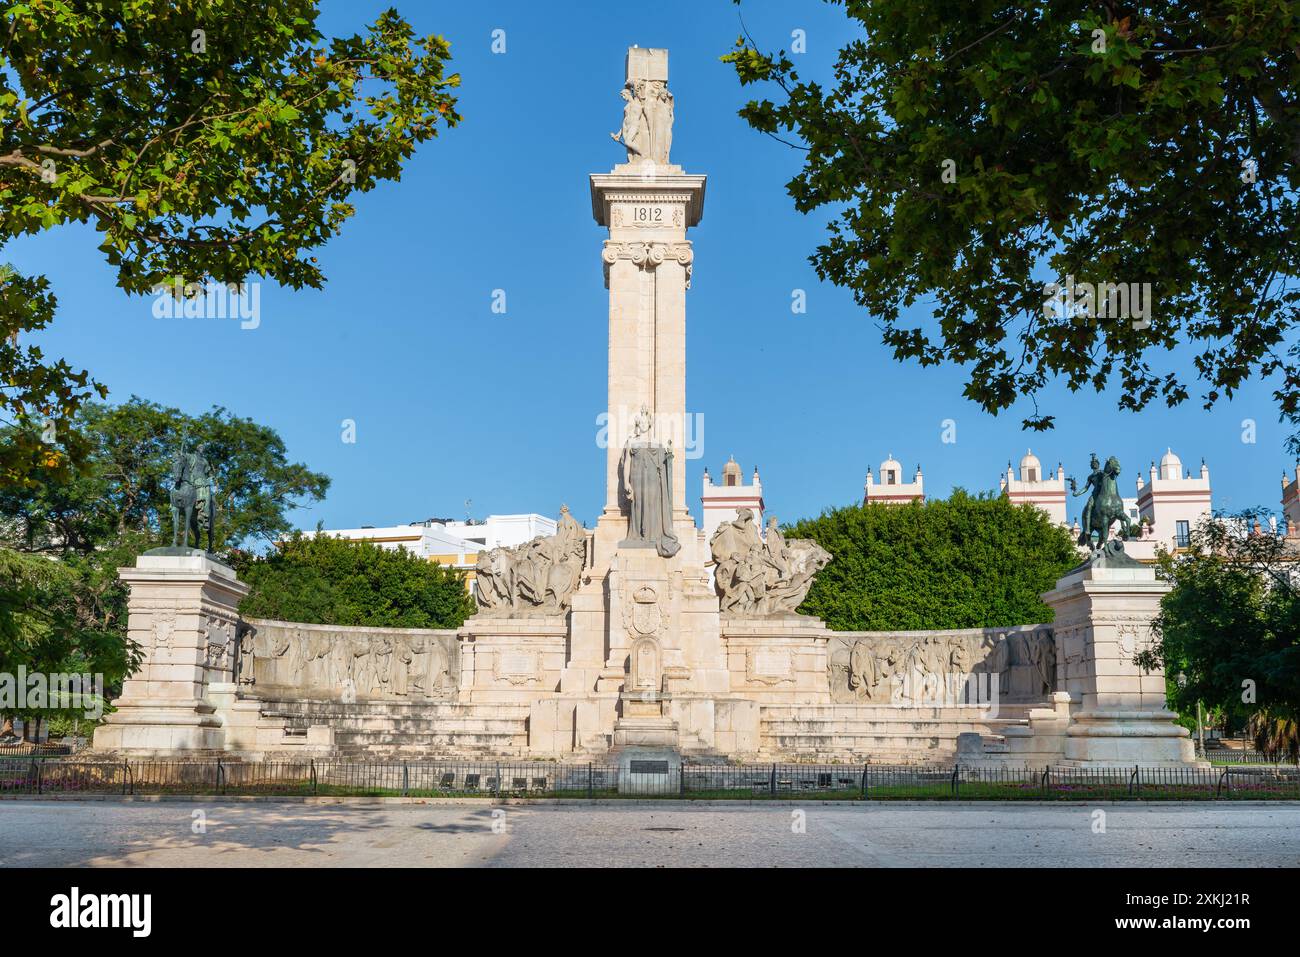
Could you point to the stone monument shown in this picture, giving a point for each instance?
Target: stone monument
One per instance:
(639, 639)
(183, 613)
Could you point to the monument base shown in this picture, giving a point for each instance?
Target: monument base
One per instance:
(1128, 738)
(183, 612)
(1104, 611)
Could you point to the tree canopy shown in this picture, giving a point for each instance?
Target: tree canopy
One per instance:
(964, 562)
(64, 535)
(970, 153)
(324, 580)
(1228, 633)
(118, 488)
(203, 142)
(53, 620)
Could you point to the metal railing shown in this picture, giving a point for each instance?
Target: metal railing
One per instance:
(504, 779)
(1240, 756)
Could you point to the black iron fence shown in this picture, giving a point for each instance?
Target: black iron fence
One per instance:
(28, 748)
(501, 780)
(1239, 756)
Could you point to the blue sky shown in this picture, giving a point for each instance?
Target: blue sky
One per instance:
(454, 402)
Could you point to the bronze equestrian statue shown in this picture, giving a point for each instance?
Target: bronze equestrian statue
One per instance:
(193, 498)
(1104, 506)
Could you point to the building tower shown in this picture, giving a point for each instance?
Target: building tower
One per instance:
(891, 489)
(721, 502)
(1043, 490)
(1171, 503)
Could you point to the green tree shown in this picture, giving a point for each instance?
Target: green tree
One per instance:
(68, 532)
(204, 142)
(330, 581)
(971, 152)
(51, 621)
(118, 492)
(964, 562)
(1228, 631)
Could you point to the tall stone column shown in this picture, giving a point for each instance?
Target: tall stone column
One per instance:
(183, 612)
(670, 277)
(1118, 713)
(647, 204)
(625, 373)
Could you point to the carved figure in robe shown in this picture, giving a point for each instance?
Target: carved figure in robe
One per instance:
(647, 483)
(568, 555)
(494, 585)
(659, 114)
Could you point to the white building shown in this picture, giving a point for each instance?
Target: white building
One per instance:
(891, 489)
(720, 503)
(1170, 504)
(1167, 506)
(431, 542)
(1034, 486)
(449, 542)
(502, 531)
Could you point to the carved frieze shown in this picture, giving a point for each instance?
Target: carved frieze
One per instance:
(350, 663)
(884, 667)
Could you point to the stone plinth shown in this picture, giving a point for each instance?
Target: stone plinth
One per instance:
(511, 660)
(649, 770)
(778, 659)
(1118, 712)
(183, 613)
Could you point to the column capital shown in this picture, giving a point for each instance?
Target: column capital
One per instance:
(648, 255)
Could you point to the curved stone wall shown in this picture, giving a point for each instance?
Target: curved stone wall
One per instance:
(347, 663)
(866, 666)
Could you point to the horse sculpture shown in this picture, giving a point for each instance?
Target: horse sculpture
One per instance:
(193, 505)
(1104, 507)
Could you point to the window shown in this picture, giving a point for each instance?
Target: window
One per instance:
(1182, 537)
(731, 480)
(890, 477)
(1033, 474)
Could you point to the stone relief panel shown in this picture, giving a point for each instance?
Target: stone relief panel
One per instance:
(348, 663)
(756, 578)
(882, 667)
(535, 578)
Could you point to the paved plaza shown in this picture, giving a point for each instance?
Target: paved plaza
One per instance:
(35, 833)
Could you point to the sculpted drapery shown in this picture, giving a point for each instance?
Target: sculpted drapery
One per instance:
(647, 479)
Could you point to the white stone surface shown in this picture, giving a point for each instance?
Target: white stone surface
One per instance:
(182, 611)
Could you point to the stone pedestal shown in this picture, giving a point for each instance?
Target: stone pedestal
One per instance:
(1118, 712)
(780, 659)
(183, 613)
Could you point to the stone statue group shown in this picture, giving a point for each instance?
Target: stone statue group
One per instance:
(647, 131)
(365, 667)
(757, 578)
(538, 577)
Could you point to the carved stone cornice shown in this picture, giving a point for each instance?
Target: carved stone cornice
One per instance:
(653, 184)
(648, 255)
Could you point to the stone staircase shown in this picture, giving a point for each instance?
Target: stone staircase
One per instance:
(879, 734)
(386, 730)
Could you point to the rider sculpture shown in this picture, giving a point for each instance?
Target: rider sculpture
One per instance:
(1104, 506)
(193, 498)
